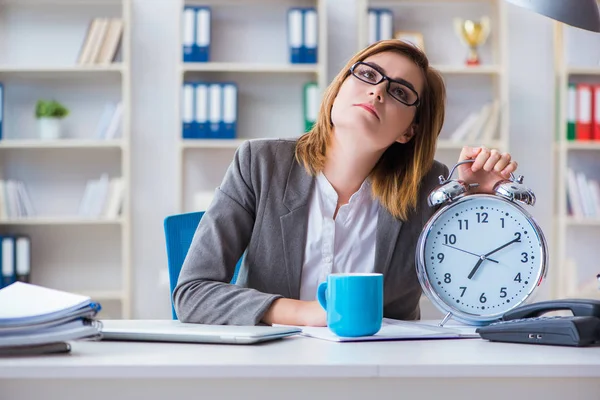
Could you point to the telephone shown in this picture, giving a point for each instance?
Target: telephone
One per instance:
(526, 324)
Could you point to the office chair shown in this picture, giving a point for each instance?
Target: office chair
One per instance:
(179, 232)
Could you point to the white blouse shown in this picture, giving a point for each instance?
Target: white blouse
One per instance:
(346, 244)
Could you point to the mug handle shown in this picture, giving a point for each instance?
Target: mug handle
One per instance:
(321, 295)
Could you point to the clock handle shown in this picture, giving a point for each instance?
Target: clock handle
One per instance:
(444, 180)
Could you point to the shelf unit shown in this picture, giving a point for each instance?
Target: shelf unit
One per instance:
(468, 87)
(39, 45)
(249, 47)
(574, 267)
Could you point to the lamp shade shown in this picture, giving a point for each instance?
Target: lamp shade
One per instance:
(579, 13)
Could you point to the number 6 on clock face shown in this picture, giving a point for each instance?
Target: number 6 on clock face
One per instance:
(480, 256)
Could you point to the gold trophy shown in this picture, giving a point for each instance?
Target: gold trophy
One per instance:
(473, 34)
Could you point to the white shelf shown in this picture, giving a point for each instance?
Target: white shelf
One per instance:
(573, 221)
(583, 71)
(576, 238)
(451, 145)
(100, 295)
(62, 72)
(61, 2)
(56, 172)
(114, 67)
(580, 145)
(464, 69)
(250, 67)
(211, 143)
(60, 221)
(61, 144)
(391, 3)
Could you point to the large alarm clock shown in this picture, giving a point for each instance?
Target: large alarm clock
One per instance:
(480, 255)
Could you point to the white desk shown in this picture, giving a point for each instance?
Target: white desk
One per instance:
(305, 368)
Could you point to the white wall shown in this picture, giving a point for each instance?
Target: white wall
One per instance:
(154, 149)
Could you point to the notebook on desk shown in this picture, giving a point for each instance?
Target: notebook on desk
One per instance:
(175, 331)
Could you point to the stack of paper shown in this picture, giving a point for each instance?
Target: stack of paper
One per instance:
(35, 318)
(400, 330)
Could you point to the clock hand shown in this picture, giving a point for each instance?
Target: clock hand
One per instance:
(503, 246)
(476, 267)
(483, 257)
(468, 252)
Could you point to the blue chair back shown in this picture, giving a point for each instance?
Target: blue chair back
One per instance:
(179, 232)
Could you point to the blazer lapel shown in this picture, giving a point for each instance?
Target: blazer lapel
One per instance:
(388, 228)
(294, 224)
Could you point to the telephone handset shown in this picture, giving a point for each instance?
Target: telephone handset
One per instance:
(579, 308)
(526, 324)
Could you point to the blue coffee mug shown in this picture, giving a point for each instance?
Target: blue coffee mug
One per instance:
(354, 303)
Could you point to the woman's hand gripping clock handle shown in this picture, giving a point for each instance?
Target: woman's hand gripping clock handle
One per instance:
(489, 167)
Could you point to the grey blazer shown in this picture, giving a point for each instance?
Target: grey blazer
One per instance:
(261, 207)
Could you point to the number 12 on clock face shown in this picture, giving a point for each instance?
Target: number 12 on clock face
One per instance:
(482, 255)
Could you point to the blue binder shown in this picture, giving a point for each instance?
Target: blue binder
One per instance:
(295, 34)
(1, 107)
(229, 119)
(7, 261)
(188, 33)
(310, 36)
(187, 115)
(377, 29)
(202, 38)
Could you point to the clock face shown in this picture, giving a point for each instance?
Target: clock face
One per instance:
(483, 256)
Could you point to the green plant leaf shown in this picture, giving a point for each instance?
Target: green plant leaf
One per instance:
(50, 109)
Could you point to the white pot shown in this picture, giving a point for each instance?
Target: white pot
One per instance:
(50, 128)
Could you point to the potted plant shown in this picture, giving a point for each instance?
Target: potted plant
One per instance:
(50, 114)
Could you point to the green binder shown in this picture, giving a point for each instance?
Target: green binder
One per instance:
(571, 111)
(311, 105)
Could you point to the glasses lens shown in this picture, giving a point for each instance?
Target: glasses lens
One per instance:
(402, 93)
(367, 74)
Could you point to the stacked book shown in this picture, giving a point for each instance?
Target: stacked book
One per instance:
(102, 41)
(35, 319)
(583, 195)
(102, 198)
(15, 201)
(480, 126)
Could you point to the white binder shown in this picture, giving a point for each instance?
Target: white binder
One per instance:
(215, 108)
(201, 128)
(228, 130)
(311, 36)
(386, 24)
(295, 34)
(202, 34)
(188, 33)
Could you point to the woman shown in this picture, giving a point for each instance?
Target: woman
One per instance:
(348, 196)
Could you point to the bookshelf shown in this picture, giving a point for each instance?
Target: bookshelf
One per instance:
(573, 271)
(40, 43)
(248, 46)
(468, 87)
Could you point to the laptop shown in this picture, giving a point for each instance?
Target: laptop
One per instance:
(175, 331)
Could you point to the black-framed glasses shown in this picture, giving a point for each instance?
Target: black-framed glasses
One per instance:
(398, 90)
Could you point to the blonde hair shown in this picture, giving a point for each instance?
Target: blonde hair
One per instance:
(397, 176)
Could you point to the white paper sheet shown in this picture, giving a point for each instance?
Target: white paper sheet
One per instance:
(399, 330)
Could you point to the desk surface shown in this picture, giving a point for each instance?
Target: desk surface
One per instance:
(302, 357)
